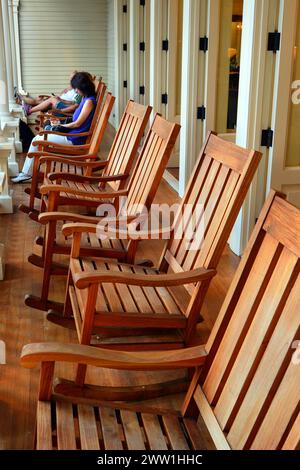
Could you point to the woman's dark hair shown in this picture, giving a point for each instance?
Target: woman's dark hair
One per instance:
(83, 82)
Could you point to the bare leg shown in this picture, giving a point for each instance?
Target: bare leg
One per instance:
(31, 101)
(45, 105)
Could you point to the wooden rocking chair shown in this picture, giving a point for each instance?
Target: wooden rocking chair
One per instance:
(83, 191)
(82, 153)
(244, 394)
(133, 307)
(74, 171)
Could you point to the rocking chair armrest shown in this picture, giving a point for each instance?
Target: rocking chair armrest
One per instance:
(37, 154)
(58, 111)
(35, 353)
(85, 179)
(57, 188)
(83, 280)
(78, 160)
(47, 143)
(85, 220)
(82, 134)
(63, 158)
(70, 229)
(48, 116)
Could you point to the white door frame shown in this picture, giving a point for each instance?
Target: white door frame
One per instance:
(134, 49)
(254, 107)
(264, 102)
(279, 176)
(199, 78)
(122, 72)
(158, 65)
(139, 59)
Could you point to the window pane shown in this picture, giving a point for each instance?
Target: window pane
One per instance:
(229, 64)
(293, 146)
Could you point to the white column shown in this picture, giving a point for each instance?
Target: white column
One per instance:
(4, 107)
(134, 50)
(156, 62)
(6, 206)
(16, 108)
(13, 42)
(139, 59)
(121, 57)
(189, 90)
(8, 125)
(199, 73)
(211, 72)
(8, 52)
(5, 146)
(17, 44)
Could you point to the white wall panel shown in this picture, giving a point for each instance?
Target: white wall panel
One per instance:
(59, 36)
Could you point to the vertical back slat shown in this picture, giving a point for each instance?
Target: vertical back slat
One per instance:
(126, 141)
(208, 214)
(269, 373)
(150, 145)
(201, 200)
(292, 442)
(150, 166)
(220, 190)
(267, 311)
(190, 199)
(246, 305)
(281, 412)
(101, 124)
(100, 96)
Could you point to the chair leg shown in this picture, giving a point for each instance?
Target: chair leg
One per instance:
(68, 313)
(64, 317)
(42, 302)
(34, 183)
(48, 256)
(87, 328)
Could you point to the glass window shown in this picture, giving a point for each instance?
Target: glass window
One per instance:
(231, 25)
(293, 144)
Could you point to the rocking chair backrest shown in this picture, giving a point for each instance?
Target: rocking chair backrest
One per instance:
(100, 97)
(101, 124)
(251, 381)
(152, 162)
(99, 87)
(126, 142)
(214, 196)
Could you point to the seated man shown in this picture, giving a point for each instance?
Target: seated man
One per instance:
(69, 100)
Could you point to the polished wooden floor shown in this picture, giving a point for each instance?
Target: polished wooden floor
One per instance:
(20, 325)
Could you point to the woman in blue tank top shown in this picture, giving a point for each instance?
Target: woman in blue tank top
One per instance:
(83, 116)
(81, 122)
